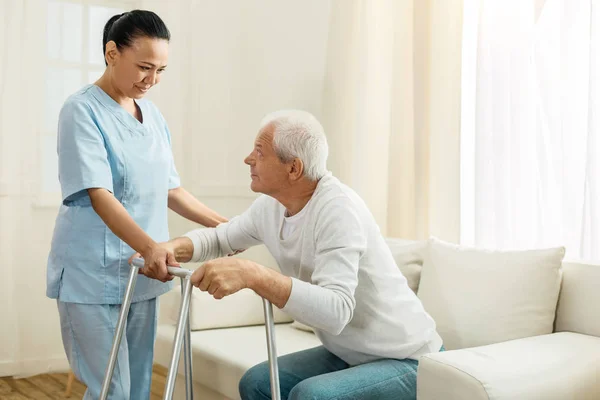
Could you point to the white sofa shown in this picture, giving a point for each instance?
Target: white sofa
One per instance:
(552, 352)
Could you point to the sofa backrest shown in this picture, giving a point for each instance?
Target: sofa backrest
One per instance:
(578, 308)
(579, 302)
(409, 256)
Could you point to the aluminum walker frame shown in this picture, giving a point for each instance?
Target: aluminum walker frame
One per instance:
(182, 334)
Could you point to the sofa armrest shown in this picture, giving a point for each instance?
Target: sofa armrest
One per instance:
(550, 367)
(579, 303)
(437, 378)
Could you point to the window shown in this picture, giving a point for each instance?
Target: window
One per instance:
(74, 59)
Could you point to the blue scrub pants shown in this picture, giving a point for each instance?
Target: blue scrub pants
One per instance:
(87, 333)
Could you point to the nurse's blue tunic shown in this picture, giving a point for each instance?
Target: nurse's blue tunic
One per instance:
(101, 145)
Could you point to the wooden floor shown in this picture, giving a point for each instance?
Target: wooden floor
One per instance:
(52, 386)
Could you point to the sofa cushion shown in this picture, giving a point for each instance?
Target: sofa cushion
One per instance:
(244, 308)
(409, 256)
(302, 327)
(479, 297)
(579, 303)
(558, 366)
(221, 356)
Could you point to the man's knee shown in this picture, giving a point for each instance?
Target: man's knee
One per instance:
(256, 384)
(307, 390)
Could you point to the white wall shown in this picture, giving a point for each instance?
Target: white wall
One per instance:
(265, 58)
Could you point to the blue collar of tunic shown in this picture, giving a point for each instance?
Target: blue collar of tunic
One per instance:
(131, 122)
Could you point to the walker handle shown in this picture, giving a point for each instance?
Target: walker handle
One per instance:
(175, 271)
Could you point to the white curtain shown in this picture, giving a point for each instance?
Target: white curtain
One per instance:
(25, 312)
(530, 135)
(391, 111)
(358, 98)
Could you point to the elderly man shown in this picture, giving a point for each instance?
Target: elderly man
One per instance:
(337, 273)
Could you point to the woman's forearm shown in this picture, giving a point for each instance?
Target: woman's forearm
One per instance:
(189, 207)
(118, 220)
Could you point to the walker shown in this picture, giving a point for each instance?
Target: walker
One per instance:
(182, 333)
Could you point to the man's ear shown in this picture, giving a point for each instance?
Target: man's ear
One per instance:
(296, 169)
(111, 52)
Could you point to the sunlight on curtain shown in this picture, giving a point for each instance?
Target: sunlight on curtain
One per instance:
(529, 132)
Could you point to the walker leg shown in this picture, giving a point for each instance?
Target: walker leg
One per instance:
(114, 351)
(179, 338)
(187, 351)
(272, 350)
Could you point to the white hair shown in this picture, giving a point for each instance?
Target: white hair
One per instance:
(298, 134)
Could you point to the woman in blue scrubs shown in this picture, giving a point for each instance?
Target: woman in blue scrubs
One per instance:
(117, 178)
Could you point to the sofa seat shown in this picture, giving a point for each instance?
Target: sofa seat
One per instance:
(559, 366)
(222, 356)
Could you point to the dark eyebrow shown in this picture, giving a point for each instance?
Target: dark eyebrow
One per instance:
(152, 65)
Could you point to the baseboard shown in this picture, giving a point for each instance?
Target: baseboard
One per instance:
(25, 368)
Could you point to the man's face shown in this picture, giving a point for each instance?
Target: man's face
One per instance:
(269, 174)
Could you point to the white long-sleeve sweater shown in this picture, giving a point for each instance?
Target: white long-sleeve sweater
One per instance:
(345, 283)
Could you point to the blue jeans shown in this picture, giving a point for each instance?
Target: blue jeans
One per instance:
(318, 374)
(87, 334)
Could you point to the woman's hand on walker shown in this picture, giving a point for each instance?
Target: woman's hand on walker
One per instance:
(156, 260)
